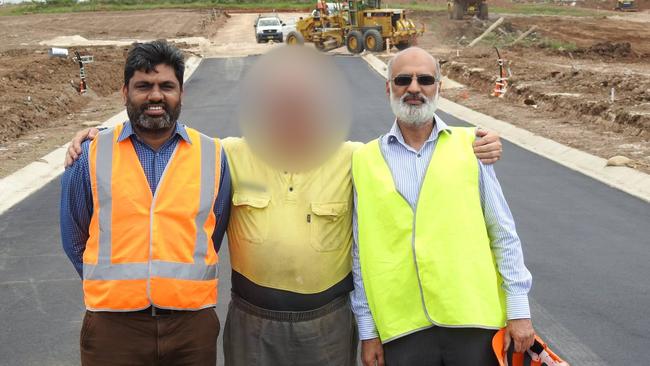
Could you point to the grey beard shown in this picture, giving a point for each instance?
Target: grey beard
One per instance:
(413, 114)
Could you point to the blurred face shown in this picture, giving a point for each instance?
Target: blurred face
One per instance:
(293, 110)
(153, 100)
(413, 90)
(291, 122)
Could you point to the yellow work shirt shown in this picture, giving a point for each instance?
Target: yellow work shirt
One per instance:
(290, 231)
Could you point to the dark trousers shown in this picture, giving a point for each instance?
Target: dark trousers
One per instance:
(438, 346)
(138, 338)
(258, 337)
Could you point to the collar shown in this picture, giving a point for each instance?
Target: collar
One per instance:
(127, 131)
(395, 134)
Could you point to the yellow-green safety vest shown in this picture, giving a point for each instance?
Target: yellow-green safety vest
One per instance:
(431, 265)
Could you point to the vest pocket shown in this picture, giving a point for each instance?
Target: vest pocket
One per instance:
(328, 225)
(249, 218)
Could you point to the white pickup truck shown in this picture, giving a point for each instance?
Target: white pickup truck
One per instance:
(268, 27)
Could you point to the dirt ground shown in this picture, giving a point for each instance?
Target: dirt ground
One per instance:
(39, 100)
(28, 30)
(561, 83)
(562, 77)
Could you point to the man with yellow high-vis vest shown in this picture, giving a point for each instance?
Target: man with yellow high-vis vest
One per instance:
(438, 264)
(143, 212)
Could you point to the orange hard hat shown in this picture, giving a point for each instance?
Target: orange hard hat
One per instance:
(537, 355)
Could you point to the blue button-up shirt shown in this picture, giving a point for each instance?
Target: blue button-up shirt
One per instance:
(409, 167)
(77, 200)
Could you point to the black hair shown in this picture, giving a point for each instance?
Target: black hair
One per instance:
(146, 56)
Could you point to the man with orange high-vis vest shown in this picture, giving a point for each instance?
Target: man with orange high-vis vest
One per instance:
(143, 212)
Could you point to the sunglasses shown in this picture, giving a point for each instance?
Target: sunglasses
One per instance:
(405, 80)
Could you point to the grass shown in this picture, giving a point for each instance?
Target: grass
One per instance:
(69, 6)
(520, 9)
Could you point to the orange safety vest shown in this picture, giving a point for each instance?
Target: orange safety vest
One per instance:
(151, 249)
(537, 355)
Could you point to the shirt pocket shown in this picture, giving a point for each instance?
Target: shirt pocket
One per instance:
(329, 225)
(250, 217)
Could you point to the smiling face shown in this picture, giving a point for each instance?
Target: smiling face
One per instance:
(153, 99)
(414, 103)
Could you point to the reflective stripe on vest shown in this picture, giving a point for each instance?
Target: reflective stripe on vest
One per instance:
(107, 269)
(431, 264)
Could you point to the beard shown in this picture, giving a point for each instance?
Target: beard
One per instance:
(141, 120)
(415, 115)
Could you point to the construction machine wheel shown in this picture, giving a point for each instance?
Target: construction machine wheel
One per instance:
(295, 38)
(483, 11)
(457, 11)
(354, 41)
(373, 41)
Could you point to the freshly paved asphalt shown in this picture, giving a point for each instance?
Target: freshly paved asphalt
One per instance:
(587, 245)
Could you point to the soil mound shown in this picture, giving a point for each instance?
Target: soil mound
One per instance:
(609, 49)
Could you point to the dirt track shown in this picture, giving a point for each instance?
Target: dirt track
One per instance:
(237, 38)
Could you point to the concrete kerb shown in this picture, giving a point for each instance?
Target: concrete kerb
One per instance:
(626, 179)
(19, 185)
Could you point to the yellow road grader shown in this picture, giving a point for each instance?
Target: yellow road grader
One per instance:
(357, 24)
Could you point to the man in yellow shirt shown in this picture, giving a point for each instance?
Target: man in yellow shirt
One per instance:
(290, 232)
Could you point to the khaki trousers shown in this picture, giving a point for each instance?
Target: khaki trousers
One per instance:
(258, 337)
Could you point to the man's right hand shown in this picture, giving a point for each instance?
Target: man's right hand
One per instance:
(372, 352)
(74, 150)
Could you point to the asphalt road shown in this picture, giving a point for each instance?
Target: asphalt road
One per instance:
(587, 245)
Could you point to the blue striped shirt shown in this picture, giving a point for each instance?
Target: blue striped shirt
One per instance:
(409, 168)
(76, 197)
